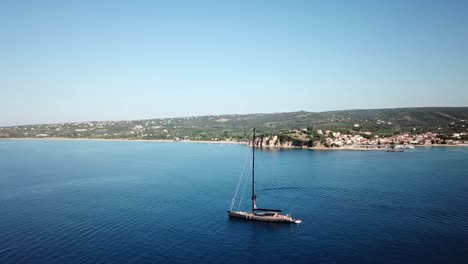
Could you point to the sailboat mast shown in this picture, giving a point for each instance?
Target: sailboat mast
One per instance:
(253, 171)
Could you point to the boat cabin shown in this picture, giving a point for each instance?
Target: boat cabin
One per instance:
(266, 212)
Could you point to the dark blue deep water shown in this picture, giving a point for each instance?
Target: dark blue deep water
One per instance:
(144, 202)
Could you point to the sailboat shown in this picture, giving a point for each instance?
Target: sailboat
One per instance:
(261, 214)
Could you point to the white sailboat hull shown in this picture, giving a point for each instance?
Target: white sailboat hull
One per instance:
(277, 218)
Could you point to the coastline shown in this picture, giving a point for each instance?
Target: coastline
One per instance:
(365, 149)
(128, 140)
(225, 142)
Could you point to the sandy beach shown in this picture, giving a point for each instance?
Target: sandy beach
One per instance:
(225, 142)
(129, 140)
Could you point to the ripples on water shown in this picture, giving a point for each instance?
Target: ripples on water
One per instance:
(114, 202)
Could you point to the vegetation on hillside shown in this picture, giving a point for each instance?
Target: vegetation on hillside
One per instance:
(385, 122)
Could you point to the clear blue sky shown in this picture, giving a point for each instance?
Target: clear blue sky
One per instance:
(117, 60)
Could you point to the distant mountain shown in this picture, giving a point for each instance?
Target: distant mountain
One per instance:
(383, 121)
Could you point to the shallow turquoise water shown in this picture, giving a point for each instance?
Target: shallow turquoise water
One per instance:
(145, 202)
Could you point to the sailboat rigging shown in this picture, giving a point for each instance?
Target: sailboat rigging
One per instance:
(261, 214)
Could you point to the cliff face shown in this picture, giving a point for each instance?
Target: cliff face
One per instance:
(275, 142)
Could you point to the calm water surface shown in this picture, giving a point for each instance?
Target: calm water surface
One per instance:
(144, 202)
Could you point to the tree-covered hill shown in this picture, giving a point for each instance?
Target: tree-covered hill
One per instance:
(442, 120)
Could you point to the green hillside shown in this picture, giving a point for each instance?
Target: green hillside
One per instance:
(441, 120)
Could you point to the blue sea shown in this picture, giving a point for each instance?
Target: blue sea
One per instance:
(148, 202)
